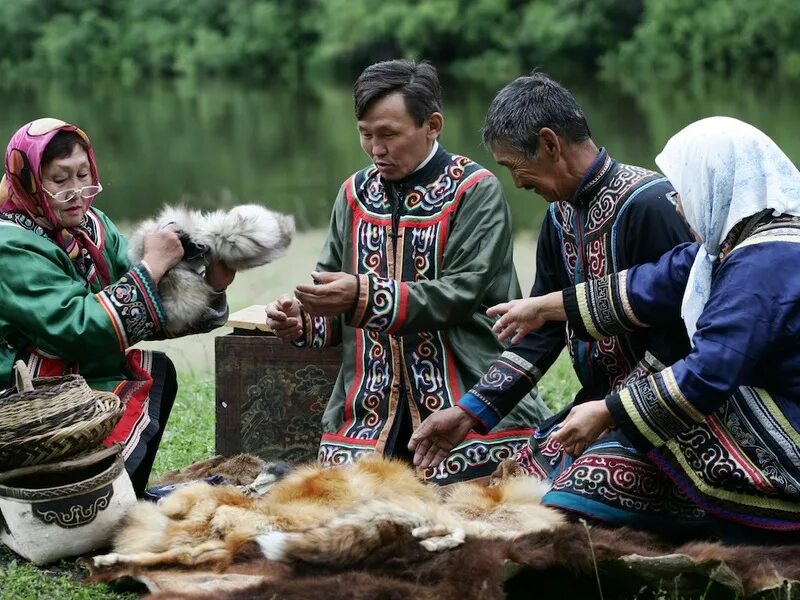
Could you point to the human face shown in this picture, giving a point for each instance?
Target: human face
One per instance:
(538, 173)
(676, 199)
(392, 139)
(65, 174)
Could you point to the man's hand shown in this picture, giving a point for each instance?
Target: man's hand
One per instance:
(524, 315)
(333, 294)
(583, 425)
(283, 317)
(219, 276)
(438, 434)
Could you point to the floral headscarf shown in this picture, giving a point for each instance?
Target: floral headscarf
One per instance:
(21, 192)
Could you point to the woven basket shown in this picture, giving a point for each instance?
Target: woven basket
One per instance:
(53, 417)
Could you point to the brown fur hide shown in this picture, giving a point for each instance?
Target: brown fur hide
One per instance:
(551, 564)
(241, 469)
(373, 530)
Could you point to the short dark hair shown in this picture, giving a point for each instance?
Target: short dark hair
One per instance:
(417, 81)
(525, 106)
(61, 145)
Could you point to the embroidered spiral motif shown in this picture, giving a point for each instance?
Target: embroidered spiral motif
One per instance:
(372, 192)
(497, 379)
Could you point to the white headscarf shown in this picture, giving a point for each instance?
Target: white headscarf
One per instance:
(724, 171)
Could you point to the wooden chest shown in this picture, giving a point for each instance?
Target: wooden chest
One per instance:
(270, 395)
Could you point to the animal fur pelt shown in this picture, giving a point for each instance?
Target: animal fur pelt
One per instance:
(558, 563)
(332, 517)
(243, 237)
(241, 469)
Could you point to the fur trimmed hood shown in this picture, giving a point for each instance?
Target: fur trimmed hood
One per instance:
(243, 237)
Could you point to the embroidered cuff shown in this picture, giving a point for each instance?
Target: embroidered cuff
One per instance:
(600, 308)
(507, 381)
(317, 332)
(381, 304)
(134, 307)
(485, 413)
(652, 411)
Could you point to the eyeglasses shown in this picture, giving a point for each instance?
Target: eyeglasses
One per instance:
(86, 192)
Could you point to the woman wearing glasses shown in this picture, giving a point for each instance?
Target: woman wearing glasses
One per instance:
(71, 301)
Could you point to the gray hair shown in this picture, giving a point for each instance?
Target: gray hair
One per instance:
(526, 105)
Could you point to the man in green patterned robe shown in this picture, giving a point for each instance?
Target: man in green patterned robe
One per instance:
(419, 245)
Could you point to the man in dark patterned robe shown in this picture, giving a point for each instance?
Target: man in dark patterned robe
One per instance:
(419, 246)
(604, 216)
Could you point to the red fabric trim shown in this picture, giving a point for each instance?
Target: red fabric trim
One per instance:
(743, 461)
(402, 312)
(135, 399)
(455, 388)
(336, 437)
(500, 434)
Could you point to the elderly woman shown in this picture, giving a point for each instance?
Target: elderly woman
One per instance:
(70, 299)
(723, 422)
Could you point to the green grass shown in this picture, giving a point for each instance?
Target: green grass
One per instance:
(559, 384)
(189, 436)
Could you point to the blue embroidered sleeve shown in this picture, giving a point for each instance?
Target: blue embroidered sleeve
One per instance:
(733, 334)
(647, 295)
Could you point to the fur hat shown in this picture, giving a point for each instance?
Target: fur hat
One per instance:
(243, 237)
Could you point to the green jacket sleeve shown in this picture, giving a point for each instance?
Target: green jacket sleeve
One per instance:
(215, 315)
(44, 303)
(474, 254)
(327, 331)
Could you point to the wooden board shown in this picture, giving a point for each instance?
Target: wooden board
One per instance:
(252, 318)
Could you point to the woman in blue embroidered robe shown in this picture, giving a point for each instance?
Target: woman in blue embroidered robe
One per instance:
(724, 422)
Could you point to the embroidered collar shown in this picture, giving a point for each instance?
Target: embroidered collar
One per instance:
(594, 175)
(424, 175)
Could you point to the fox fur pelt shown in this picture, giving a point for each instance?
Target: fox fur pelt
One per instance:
(330, 517)
(243, 237)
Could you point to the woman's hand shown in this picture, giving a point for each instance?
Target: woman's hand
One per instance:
(219, 276)
(518, 317)
(583, 425)
(162, 251)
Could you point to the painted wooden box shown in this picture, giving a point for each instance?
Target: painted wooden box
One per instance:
(270, 395)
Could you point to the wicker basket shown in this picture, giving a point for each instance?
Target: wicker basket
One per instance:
(53, 417)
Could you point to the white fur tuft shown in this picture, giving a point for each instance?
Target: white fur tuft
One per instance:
(247, 236)
(274, 545)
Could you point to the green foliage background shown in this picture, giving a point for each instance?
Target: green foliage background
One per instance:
(488, 40)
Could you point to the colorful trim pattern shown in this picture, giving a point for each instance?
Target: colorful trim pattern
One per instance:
(610, 481)
(318, 332)
(510, 374)
(601, 308)
(742, 463)
(655, 407)
(133, 306)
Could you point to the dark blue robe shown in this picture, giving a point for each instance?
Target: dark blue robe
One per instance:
(723, 423)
